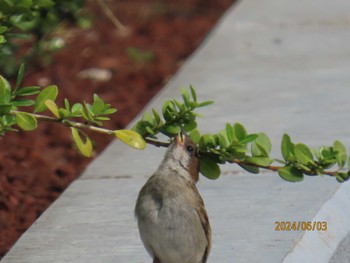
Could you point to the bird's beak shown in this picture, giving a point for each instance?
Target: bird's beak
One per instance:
(180, 139)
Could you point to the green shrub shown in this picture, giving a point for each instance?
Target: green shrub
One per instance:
(26, 28)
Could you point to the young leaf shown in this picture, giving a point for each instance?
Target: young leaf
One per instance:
(26, 91)
(156, 117)
(290, 174)
(193, 93)
(185, 96)
(85, 148)
(49, 93)
(261, 147)
(190, 126)
(22, 103)
(209, 168)
(223, 140)
(249, 138)
(205, 103)
(341, 155)
(26, 121)
(230, 133)
(286, 147)
(5, 90)
(131, 138)
(67, 107)
(172, 129)
(239, 131)
(51, 105)
(303, 154)
(77, 109)
(97, 105)
(195, 136)
(20, 76)
(148, 119)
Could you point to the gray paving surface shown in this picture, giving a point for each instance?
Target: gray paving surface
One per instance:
(274, 65)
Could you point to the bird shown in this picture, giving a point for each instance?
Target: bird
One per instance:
(171, 215)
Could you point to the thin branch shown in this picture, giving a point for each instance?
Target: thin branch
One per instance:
(105, 8)
(276, 168)
(157, 143)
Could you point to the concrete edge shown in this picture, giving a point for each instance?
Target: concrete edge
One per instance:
(319, 246)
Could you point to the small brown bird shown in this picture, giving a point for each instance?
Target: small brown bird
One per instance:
(171, 216)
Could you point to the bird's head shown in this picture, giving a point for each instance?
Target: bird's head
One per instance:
(182, 155)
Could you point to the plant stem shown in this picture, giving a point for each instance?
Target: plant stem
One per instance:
(276, 168)
(105, 8)
(156, 143)
(69, 123)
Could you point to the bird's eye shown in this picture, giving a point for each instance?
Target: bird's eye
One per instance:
(189, 148)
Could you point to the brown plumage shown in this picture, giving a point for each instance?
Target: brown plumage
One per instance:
(172, 219)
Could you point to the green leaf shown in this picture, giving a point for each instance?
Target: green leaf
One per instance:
(251, 169)
(179, 105)
(26, 121)
(261, 161)
(85, 148)
(156, 117)
(287, 147)
(45, 3)
(148, 119)
(20, 76)
(67, 105)
(185, 96)
(207, 141)
(230, 133)
(341, 155)
(27, 91)
(77, 109)
(3, 29)
(342, 177)
(195, 136)
(303, 154)
(49, 93)
(149, 130)
(23, 103)
(97, 105)
(209, 168)
(190, 126)
(239, 131)
(205, 103)
(290, 174)
(109, 111)
(172, 129)
(249, 138)
(5, 90)
(2, 39)
(131, 138)
(51, 105)
(193, 93)
(261, 147)
(5, 108)
(223, 140)
(168, 110)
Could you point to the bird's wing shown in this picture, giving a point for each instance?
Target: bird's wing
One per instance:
(203, 216)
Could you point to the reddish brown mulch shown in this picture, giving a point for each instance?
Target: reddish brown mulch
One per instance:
(37, 166)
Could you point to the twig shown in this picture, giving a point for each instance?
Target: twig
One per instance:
(105, 8)
(157, 143)
(276, 168)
